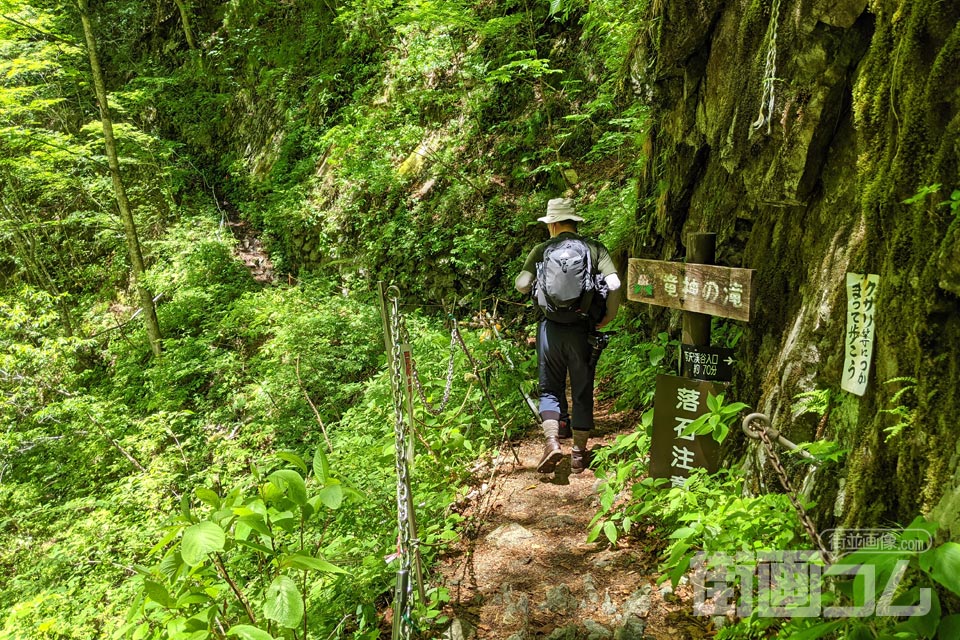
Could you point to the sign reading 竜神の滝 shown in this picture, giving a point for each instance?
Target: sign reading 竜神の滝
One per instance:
(703, 288)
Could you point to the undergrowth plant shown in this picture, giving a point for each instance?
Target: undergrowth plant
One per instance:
(243, 562)
(903, 412)
(898, 589)
(631, 363)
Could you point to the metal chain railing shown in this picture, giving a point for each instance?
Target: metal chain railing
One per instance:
(769, 73)
(418, 384)
(402, 598)
(765, 434)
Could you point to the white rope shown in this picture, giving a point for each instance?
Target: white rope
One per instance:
(769, 73)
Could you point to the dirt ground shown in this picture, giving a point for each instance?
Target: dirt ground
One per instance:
(525, 570)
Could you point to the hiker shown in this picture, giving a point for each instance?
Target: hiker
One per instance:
(576, 286)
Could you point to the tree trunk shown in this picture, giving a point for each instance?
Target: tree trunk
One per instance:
(130, 229)
(185, 20)
(27, 247)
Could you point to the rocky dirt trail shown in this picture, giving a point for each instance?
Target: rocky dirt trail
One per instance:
(525, 570)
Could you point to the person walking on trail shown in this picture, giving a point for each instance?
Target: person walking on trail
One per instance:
(575, 284)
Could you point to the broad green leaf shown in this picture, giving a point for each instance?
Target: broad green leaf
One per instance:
(247, 632)
(193, 598)
(331, 496)
(610, 530)
(924, 626)
(257, 523)
(734, 408)
(657, 354)
(282, 602)
(256, 546)
(816, 631)
(309, 563)
(286, 520)
(321, 466)
(167, 539)
(199, 540)
(949, 627)
(946, 566)
(720, 433)
(682, 532)
(595, 531)
(291, 483)
(294, 459)
(713, 403)
(159, 594)
(207, 496)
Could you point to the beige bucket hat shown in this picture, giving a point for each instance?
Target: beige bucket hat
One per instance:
(559, 209)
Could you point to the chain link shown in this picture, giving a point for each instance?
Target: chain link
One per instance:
(775, 461)
(431, 409)
(404, 336)
(769, 72)
(401, 434)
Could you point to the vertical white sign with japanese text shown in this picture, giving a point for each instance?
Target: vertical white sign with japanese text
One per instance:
(858, 339)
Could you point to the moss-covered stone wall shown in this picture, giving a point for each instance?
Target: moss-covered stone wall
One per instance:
(866, 114)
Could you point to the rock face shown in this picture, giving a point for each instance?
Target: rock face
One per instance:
(866, 113)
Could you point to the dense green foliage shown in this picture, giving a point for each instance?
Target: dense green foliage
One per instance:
(396, 141)
(242, 483)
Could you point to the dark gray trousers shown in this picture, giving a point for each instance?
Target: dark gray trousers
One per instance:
(562, 349)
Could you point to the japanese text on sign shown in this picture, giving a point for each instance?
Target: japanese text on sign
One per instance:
(710, 289)
(858, 340)
(674, 453)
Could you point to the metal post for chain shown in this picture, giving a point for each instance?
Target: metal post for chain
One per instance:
(765, 434)
(407, 542)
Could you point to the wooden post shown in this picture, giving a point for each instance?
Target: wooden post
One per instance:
(701, 249)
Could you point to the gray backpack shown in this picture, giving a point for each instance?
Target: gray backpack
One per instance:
(566, 282)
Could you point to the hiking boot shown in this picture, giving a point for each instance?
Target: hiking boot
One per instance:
(565, 431)
(579, 460)
(551, 456)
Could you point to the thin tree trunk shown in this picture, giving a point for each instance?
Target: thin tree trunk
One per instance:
(28, 251)
(185, 21)
(130, 229)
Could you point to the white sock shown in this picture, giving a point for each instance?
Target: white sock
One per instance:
(551, 428)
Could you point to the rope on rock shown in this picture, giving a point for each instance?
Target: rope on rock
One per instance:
(769, 73)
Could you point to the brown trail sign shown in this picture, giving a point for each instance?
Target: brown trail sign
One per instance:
(677, 403)
(701, 290)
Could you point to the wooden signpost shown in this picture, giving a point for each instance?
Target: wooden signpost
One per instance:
(706, 289)
(701, 289)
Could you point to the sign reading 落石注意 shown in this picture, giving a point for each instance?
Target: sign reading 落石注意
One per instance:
(858, 340)
(677, 402)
